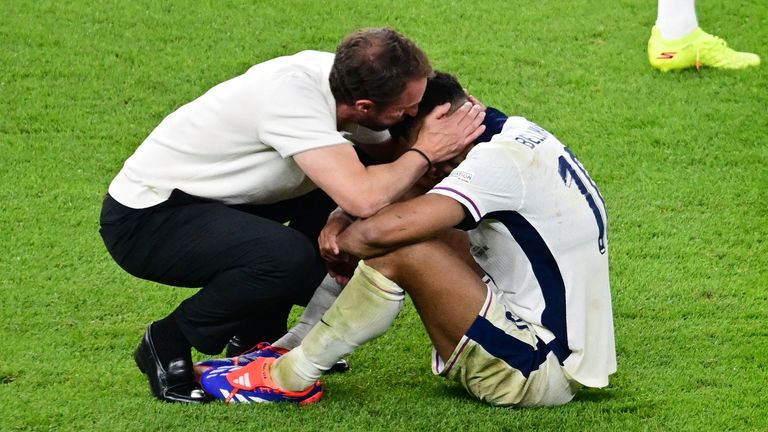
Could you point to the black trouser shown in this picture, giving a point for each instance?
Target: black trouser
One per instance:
(251, 267)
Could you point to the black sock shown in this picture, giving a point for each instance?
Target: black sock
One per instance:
(270, 326)
(170, 342)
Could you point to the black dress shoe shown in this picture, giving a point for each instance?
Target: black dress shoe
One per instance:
(340, 366)
(237, 346)
(172, 382)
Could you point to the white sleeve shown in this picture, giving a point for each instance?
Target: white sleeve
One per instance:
(488, 180)
(363, 135)
(297, 117)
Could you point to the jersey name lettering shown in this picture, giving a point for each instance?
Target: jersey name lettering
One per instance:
(532, 136)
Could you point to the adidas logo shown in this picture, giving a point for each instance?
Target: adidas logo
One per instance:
(243, 381)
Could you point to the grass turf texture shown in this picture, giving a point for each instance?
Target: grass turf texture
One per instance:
(681, 160)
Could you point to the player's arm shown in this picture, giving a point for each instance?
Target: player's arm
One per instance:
(362, 191)
(401, 224)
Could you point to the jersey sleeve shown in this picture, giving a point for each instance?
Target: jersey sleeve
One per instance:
(487, 180)
(297, 117)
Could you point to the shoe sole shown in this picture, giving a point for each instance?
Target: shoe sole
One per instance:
(313, 399)
(137, 359)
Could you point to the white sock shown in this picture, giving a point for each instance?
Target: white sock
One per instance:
(676, 18)
(323, 298)
(364, 310)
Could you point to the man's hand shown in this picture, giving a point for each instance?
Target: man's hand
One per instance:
(474, 100)
(444, 137)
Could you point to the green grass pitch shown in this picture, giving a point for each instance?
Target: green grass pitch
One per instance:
(681, 159)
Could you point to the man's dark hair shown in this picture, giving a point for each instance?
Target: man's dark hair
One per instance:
(441, 88)
(376, 64)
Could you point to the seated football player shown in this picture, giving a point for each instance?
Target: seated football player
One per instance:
(521, 316)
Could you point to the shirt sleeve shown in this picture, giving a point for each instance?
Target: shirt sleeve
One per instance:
(363, 135)
(488, 180)
(297, 117)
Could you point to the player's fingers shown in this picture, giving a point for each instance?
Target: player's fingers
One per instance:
(326, 256)
(329, 251)
(323, 244)
(330, 245)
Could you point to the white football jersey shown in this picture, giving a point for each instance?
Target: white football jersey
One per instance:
(540, 232)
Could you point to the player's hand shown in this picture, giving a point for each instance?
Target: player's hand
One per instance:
(444, 137)
(337, 222)
(343, 269)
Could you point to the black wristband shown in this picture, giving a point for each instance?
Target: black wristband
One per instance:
(424, 155)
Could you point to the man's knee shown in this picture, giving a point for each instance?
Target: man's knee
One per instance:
(296, 254)
(294, 268)
(284, 251)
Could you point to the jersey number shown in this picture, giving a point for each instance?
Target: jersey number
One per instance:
(588, 188)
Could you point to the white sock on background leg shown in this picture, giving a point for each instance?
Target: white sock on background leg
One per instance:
(364, 310)
(323, 298)
(676, 18)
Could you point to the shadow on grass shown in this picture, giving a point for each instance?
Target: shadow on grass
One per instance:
(587, 395)
(584, 396)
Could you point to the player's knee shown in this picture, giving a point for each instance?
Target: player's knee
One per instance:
(401, 260)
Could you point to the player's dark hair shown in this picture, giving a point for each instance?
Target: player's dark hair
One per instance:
(376, 64)
(441, 88)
